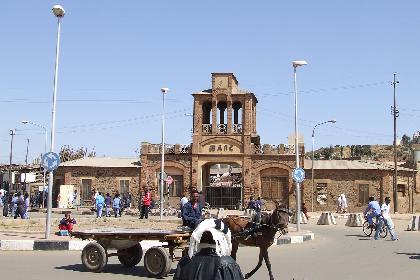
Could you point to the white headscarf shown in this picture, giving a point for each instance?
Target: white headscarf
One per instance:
(221, 235)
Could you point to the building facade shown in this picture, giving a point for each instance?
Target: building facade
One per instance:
(226, 160)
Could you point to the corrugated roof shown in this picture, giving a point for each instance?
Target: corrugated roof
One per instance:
(103, 162)
(351, 164)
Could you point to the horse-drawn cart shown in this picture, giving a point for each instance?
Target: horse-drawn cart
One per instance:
(126, 242)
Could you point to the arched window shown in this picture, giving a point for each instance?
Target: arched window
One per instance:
(207, 112)
(237, 117)
(222, 117)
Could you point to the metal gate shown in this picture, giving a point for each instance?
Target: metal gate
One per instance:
(223, 197)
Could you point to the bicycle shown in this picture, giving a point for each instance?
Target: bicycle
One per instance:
(368, 230)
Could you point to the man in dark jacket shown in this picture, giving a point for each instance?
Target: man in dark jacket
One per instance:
(209, 255)
(191, 212)
(20, 210)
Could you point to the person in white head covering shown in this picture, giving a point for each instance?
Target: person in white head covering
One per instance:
(343, 203)
(339, 203)
(209, 254)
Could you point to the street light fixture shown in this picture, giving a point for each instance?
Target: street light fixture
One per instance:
(162, 169)
(45, 148)
(296, 64)
(313, 154)
(59, 12)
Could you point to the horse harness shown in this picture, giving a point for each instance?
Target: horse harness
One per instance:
(254, 228)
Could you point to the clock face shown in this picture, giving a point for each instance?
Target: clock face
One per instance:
(221, 82)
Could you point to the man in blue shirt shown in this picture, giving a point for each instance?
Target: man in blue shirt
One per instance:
(99, 202)
(191, 212)
(375, 209)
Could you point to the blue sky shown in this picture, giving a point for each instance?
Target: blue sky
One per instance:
(116, 55)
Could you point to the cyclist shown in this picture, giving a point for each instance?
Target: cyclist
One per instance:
(375, 209)
(386, 218)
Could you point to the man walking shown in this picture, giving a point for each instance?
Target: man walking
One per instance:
(99, 203)
(386, 218)
(108, 201)
(147, 199)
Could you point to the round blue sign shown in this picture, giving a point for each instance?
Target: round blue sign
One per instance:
(50, 161)
(298, 175)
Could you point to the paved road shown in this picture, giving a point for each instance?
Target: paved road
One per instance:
(337, 252)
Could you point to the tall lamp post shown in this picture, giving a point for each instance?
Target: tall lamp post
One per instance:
(45, 147)
(162, 168)
(59, 12)
(313, 155)
(296, 64)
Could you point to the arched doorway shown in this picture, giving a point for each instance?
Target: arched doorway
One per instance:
(222, 185)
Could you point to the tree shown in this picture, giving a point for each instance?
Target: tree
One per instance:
(67, 153)
(406, 140)
(327, 152)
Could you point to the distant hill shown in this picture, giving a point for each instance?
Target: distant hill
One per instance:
(383, 153)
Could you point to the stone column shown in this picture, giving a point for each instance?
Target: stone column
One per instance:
(229, 117)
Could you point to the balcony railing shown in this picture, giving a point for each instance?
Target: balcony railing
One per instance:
(222, 128)
(268, 149)
(207, 128)
(237, 128)
(169, 149)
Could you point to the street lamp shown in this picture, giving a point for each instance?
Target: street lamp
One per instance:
(45, 148)
(162, 169)
(296, 64)
(59, 12)
(313, 154)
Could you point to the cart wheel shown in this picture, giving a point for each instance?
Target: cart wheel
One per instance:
(157, 262)
(94, 257)
(132, 256)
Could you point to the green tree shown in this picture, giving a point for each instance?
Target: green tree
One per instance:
(406, 140)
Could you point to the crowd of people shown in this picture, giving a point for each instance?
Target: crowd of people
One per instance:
(15, 204)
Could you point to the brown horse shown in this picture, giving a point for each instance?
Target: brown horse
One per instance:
(270, 225)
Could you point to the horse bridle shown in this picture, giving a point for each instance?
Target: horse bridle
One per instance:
(279, 210)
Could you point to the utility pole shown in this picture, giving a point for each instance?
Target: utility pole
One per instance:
(395, 113)
(12, 134)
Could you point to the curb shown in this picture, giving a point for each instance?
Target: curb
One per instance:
(57, 245)
(295, 239)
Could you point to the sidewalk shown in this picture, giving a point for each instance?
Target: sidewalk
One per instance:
(35, 241)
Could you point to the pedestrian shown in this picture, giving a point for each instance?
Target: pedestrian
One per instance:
(304, 210)
(146, 204)
(129, 197)
(343, 203)
(99, 203)
(251, 203)
(2, 195)
(116, 205)
(108, 202)
(13, 204)
(183, 201)
(20, 206)
(209, 254)
(27, 205)
(339, 204)
(386, 218)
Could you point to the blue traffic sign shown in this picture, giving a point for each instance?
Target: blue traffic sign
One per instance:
(298, 175)
(50, 161)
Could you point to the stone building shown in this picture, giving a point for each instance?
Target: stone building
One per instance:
(103, 174)
(358, 180)
(224, 139)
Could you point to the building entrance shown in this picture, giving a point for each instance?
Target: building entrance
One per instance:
(223, 185)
